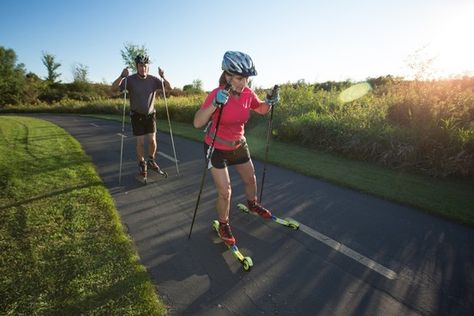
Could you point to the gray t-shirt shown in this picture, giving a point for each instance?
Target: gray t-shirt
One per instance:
(142, 92)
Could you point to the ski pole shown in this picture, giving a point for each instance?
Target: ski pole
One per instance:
(269, 133)
(169, 124)
(122, 135)
(208, 158)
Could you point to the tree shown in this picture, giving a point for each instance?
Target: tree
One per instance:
(421, 64)
(12, 78)
(194, 88)
(33, 89)
(129, 53)
(80, 72)
(188, 88)
(51, 66)
(197, 85)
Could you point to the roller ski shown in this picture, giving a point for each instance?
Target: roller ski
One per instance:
(258, 210)
(152, 165)
(145, 176)
(224, 233)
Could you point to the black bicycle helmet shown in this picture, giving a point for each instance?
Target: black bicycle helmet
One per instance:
(238, 63)
(142, 59)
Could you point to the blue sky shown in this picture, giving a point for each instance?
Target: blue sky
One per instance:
(288, 40)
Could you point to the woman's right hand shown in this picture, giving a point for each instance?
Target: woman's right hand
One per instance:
(221, 98)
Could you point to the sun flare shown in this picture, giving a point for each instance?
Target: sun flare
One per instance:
(452, 47)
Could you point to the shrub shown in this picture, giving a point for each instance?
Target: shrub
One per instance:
(420, 126)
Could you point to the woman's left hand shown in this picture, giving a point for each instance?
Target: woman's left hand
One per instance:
(273, 97)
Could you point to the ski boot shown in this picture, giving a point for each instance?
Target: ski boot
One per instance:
(142, 171)
(224, 233)
(257, 208)
(151, 163)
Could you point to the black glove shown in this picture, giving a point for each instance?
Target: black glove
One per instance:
(273, 97)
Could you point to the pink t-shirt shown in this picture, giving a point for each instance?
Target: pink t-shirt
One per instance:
(236, 112)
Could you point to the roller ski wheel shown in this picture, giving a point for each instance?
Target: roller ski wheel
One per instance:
(164, 174)
(246, 262)
(288, 222)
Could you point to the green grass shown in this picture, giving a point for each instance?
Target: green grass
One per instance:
(450, 198)
(62, 247)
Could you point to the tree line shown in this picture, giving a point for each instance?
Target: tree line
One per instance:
(19, 86)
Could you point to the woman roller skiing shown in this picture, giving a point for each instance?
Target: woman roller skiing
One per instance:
(235, 99)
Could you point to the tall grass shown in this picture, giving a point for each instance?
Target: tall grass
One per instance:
(425, 127)
(419, 126)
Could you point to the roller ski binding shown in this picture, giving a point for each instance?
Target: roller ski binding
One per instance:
(152, 165)
(223, 231)
(258, 210)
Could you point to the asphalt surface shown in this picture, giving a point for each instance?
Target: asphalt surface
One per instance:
(355, 254)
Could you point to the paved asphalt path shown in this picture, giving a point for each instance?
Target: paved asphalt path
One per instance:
(355, 254)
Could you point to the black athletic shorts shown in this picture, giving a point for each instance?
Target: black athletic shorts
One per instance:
(222, 158)
(143, 123)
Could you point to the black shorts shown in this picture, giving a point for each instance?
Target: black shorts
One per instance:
(222, 158)
(143, 123)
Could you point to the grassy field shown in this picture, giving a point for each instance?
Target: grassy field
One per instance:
(62, 247)
(450, 198)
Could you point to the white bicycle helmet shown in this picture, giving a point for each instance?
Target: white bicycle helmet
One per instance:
(142, 59)
(238, 63)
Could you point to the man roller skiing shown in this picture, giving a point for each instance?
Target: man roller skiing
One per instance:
(142, 88)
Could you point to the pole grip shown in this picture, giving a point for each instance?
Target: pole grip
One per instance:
(273, 91)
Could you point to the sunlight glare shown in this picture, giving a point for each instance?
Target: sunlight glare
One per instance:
(354, 92)
(452, 44)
